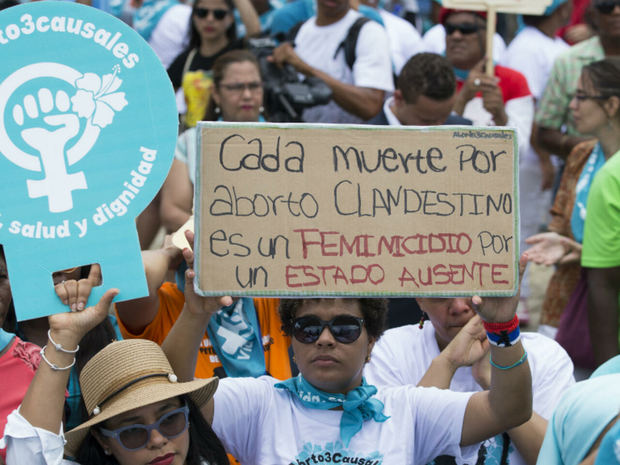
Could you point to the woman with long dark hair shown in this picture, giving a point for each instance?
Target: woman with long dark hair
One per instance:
(212, 33)
(138, 412)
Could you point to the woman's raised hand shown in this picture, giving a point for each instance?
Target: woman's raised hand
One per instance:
(194, 303)
(75, 292)
(69, 328)
(500, 309)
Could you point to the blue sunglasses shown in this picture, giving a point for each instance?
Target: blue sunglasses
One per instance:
(134, 437)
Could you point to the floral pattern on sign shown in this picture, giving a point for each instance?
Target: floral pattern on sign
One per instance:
(96, 97)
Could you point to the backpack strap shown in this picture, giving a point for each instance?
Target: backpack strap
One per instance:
(350, 41)
(292, 32)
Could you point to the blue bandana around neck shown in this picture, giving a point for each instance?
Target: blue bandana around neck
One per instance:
(461, 74)
(146, 17)
(236, 338)
(595, 161)
(358, 404)
(5, 339)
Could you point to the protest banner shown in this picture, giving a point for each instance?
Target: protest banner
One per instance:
(492, 7)
(88, 125)
(311, 210)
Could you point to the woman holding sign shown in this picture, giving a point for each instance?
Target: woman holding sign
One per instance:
(330, 414)
(138, 411)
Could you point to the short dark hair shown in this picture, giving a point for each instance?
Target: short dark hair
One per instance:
(426, 74)
(374, 312)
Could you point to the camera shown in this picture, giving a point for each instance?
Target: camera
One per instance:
(286, 95)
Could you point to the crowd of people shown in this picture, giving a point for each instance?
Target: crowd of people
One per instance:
(175, 378)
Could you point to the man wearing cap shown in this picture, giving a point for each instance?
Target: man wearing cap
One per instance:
(556, 127)
(434, 40)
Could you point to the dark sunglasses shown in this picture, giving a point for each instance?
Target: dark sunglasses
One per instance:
(607, 6)
(218, 13)
(463, 28)
(345, 328)
(134, 437)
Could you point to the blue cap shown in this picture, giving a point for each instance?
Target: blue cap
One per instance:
(555, 4)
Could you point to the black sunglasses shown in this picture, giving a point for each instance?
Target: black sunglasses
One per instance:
(607, 6)
(345, 328)
(463, 28)
(218, 13)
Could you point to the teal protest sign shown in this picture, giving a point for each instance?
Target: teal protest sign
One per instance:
(87, 131)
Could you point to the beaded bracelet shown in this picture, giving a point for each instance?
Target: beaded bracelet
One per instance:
(59, 347)
(53, 366)
(515, 364)
(504, 334)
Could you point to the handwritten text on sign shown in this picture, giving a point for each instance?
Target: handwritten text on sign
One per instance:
(303, 210)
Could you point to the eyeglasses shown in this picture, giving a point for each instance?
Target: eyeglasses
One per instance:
(607, 6)
(218, 13)
(345, 328)
(580, 97)
(463, 28)
(242, 86)
(134, 437)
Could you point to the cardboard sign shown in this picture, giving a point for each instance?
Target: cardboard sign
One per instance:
(524, 7)
(87, 132)
(313, 210)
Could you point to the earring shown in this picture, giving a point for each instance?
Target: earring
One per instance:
(217, 110)
(261, 109)
(367, 358)
(107, 451)
(423, 318)
(294, 359)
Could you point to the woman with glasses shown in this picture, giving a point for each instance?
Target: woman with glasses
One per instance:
(237, 95)
(138, 412)
(212, 33)
(595, 113)
(329, 414)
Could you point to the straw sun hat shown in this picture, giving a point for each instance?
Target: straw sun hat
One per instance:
(126, 375)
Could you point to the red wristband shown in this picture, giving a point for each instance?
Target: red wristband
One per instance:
(507, 326)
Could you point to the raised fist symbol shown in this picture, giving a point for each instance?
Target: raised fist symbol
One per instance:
(51, 125)
(51, 143)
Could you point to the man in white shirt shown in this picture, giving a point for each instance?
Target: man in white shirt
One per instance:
(357, 92)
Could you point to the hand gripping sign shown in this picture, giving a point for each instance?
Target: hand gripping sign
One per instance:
(87, 131)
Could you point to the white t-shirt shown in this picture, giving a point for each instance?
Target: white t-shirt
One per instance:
(316, 45)
(402, 356)
(434, 41)
(405, 40)
(262, 425)
(532, 53)
(171, 35)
